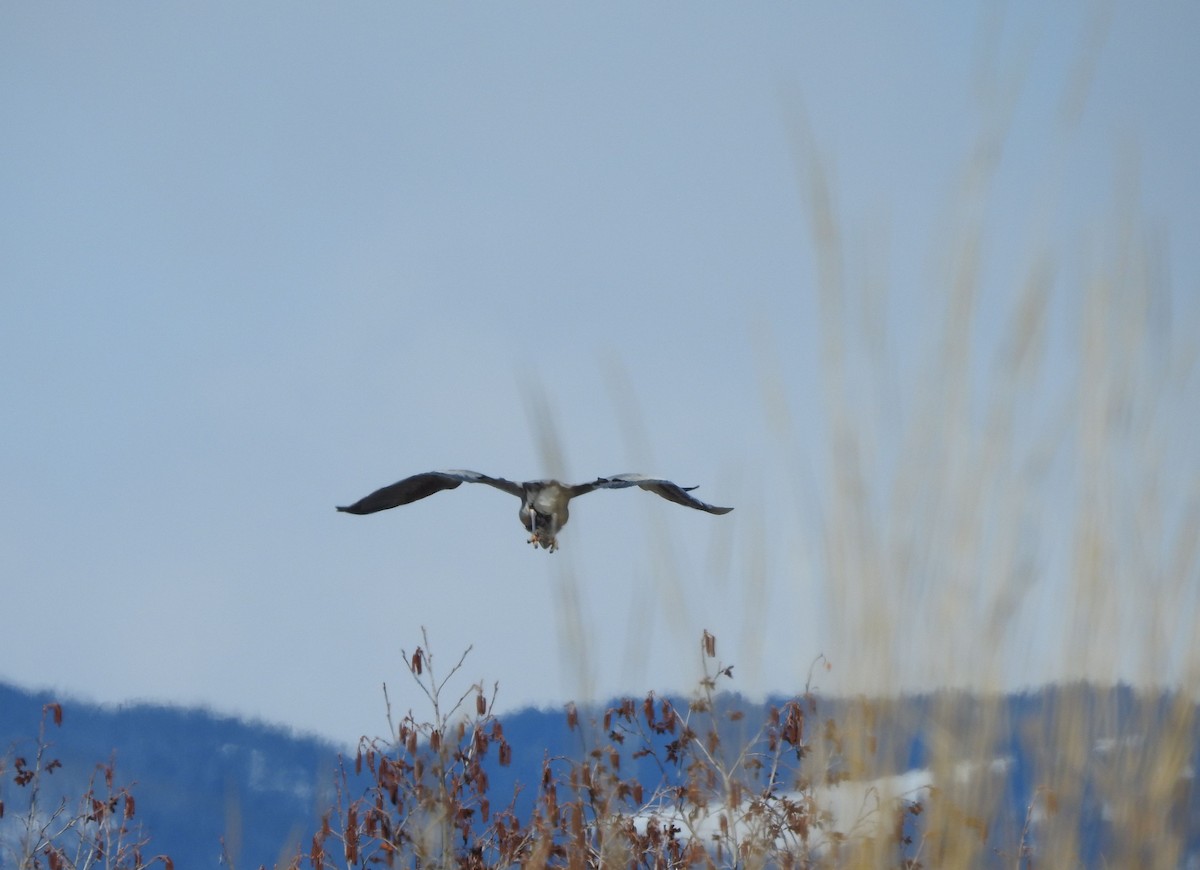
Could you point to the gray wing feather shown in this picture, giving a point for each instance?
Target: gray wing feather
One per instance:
(665, 488)
(421, 486)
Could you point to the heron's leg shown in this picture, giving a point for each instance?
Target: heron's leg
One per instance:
(533, 534)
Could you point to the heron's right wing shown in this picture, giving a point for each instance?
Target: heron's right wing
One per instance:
(421, 486)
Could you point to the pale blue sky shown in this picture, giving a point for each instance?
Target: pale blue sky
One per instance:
(259, 259)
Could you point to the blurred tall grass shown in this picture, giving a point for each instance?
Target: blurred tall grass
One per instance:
(1010, 497)
(1019, 506)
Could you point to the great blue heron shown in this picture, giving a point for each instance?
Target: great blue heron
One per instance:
(543, 502)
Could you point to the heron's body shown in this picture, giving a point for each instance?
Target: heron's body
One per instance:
(543, 502)
(544, 511)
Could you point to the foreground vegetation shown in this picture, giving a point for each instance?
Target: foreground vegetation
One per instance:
(1090, 778)
(791, 787)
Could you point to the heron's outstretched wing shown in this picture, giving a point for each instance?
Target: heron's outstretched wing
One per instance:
(421, 486)
(668, 490)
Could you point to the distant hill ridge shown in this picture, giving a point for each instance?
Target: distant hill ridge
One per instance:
(202, 779)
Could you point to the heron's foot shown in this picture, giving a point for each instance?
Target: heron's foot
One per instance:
(550, 544)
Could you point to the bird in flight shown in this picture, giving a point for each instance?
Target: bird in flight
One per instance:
(543, 502)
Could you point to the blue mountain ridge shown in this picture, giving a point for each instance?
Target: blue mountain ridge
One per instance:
(204, 782)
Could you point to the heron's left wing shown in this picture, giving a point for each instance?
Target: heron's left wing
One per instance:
(665, 488)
